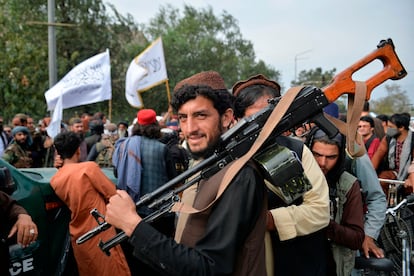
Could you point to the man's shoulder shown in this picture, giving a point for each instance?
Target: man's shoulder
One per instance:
(12, 149)
(12, 145)
(81, 167)
(91, 137)
(347, 180)
(152, 144)
(293, 144)
(86, 167)
(250, 171)
(89, 166)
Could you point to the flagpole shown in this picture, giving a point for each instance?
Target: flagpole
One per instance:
(168, 91)
(110, 110)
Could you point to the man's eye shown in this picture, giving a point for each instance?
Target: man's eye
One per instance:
(317, 155)
(181, 118)
(201, 116)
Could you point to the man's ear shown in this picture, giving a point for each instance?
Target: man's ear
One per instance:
(227, 118)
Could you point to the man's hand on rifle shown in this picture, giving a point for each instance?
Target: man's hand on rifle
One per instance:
(121, 212)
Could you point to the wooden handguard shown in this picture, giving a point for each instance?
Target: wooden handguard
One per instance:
(393, 69)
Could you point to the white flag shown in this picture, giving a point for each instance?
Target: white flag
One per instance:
(134, 74)
(54, 127)
(89, 82)
(153, 60)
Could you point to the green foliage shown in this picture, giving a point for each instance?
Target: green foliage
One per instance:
(315, 77)
(396, 101)
(319, 78)
(23, 56)
(198, 40)
(194, 40)
(88, 30)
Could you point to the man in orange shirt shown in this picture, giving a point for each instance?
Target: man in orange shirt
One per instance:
(83, 186)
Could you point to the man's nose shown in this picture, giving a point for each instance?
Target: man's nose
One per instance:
(322, 161)
(192, 125)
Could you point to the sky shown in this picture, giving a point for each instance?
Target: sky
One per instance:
(296, 35)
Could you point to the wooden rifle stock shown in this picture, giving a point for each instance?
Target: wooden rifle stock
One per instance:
(393, 69)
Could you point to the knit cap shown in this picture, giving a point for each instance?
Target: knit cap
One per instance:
(255, 80)
(208, 78)
(146, 117)
(18, 129)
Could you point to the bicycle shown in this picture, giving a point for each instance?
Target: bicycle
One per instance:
(396, 237)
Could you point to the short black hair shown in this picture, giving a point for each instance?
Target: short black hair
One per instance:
(125, 123)
(66, 144)
(368, 119)
(383, 117)
(152, 131)
(221, 98)
(249, 95)
(400, 120)
(96, 126)
(318, 135)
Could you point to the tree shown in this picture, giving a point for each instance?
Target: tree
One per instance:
(24, 43)
(23, 56)
(396, 101)
(319, 78)
(198, 40)
(97, 31)
(195, 41)
(315, 77)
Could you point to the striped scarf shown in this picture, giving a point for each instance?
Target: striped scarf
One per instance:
(404, 158)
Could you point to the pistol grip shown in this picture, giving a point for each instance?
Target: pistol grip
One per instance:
(327, 126)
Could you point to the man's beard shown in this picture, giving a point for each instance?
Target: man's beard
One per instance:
(206, 152)
(22, 143)
(209, 150)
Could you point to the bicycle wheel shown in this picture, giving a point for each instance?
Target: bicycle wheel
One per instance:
(390, 239)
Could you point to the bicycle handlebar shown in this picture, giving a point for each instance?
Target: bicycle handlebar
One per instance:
(392, 181)
(407, 200)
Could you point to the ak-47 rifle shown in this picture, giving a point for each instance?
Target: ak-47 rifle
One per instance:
(307, 105)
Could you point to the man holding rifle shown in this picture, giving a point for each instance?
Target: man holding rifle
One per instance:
(219, 239)
(226, 237)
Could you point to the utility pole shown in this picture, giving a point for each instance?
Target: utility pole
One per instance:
(296, 61)
(51, 25)
(52, 43)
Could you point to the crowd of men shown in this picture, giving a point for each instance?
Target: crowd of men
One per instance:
(240, 225)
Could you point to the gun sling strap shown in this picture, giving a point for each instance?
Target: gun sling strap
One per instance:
(274, 118)
(349, 129)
